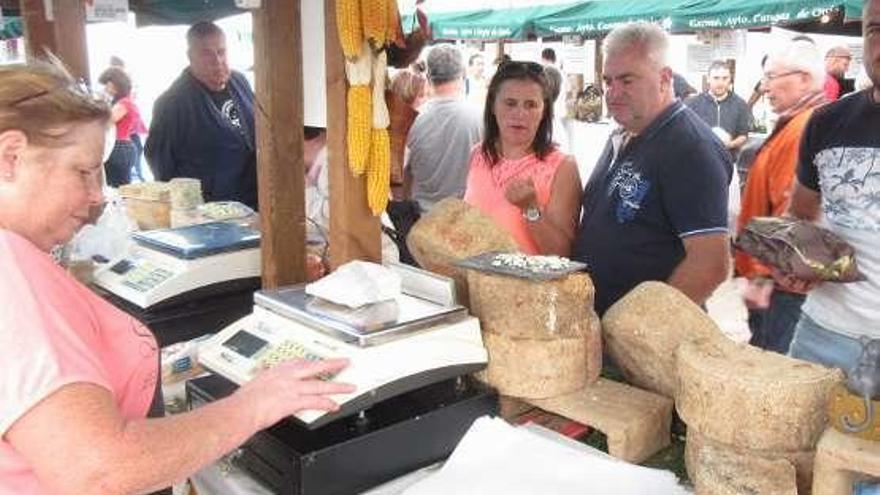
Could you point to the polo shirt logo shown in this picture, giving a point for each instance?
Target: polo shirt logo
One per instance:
(631, 188)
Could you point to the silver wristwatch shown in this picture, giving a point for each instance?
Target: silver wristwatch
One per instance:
(532, 214)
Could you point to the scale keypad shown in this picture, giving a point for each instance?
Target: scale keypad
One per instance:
(146, 276)
(287, 350)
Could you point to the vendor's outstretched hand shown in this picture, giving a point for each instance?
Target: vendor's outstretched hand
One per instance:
(521, 192)
(291, 387)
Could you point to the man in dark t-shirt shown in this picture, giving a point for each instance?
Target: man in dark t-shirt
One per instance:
(203, 125)
(838, 180)
(655, 207)
(839, 176)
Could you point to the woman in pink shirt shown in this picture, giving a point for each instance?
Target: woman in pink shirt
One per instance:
(79, 378)
(517, 175)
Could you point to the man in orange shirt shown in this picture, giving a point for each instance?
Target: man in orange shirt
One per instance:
(793, 79)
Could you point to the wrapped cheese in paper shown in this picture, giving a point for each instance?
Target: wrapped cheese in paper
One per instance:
(801, 249)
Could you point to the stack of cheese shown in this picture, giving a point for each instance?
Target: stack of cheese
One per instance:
(750, 413)
(186, 196)
(753, 417)
(148, 204)
(543, 337)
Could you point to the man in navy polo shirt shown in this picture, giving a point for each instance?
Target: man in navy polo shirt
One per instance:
(655, 207)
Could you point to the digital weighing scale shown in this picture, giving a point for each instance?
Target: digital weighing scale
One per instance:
(394, 346)
(185, 282)
(165, 264)
(409, 359)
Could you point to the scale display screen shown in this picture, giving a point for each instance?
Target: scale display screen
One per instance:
(245, 343)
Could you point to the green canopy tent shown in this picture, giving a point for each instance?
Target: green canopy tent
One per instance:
(741, 14)
(595, 18)
(170, 12)
(11, 27)
(488, 24)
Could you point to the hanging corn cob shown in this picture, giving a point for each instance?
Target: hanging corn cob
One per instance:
(374, 15)
(379, 164)
(349, 27)
(359, 108)
(379, 171)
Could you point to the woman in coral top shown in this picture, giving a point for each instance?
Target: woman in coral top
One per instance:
(517, 175)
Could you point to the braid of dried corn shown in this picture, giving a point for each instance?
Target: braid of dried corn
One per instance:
(379, 171)
(374, 14)
(349, 27)
(359, 108)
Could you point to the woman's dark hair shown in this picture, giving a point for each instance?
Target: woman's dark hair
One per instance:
(542, 145)
(120, 81)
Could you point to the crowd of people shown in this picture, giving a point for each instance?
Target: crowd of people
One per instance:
(82, 377)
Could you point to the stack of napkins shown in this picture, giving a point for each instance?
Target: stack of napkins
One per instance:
(356, 284)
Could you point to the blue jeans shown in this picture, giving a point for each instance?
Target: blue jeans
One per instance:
(812, 342)
(777, 324)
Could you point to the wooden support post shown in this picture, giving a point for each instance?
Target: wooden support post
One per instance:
(279, 124)
(599, 63)
(354, 232)
(61, 30)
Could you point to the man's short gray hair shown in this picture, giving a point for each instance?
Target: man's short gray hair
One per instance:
(445, 64)
(642, 36)
(801, 55)
(202, 30)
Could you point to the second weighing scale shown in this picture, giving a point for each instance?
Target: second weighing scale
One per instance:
(165, 267)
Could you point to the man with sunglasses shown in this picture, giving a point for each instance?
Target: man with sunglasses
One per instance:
(655, 207)
(793, 79)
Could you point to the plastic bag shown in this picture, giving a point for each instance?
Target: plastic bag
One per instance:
(356, 284)
(107, 238)
(801, 249)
